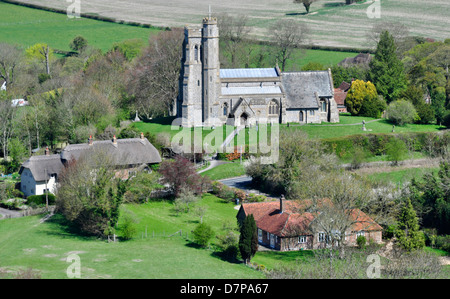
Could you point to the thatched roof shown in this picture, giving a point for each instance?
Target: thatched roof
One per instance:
(42, 167)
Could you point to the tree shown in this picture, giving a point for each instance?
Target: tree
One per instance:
(88, 196)
(359, 93)
(7, 115)
(248, 239)
(42, 53)
(203, 234)
(154, 80)
(425, 111)
(306, 3)
(130, 48)
(233, 32)
(408, 235)
(396, 150)
(180, 174)
(401, 112)
(287, 35)
(10, 60)
(386, 70)
(78, 44)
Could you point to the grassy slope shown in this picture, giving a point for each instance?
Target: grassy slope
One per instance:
(27, 26)
(24, 242)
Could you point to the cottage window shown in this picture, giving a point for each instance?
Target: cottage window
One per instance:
(360, 233)
(302, 239)
(322, 237)
(311, 112)
(259, 235)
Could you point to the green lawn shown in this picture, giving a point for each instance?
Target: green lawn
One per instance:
(24, 242)
(27, 26)
(403, 176)
(224, 171)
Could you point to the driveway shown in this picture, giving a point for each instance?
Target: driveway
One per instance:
(5, 213)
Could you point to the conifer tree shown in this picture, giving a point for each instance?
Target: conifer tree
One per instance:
(386, 69)
(248, 240)
(408, 235)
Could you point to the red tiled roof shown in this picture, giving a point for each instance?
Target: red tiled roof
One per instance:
(295, 220)
(339, 96)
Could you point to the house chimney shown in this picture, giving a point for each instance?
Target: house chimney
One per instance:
(47, 151)
(90, 140)
(142, 136)
(114, 140)
(281, 204)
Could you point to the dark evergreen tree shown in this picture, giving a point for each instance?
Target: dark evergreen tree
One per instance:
(386, 69)
(248, 240)
(408, 235)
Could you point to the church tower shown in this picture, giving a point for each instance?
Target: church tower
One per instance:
(211, 69)
(191, 101)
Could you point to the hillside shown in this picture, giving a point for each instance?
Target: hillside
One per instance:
(332, 23)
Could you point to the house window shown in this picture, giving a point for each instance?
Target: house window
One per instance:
(360, 233)
(311, 112)
(273, 107)
(259, 235)
(302, 239)
(322, 237)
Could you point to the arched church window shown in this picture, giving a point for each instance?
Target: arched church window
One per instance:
(273, 107)
(225, 109)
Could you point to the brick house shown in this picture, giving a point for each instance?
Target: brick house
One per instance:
(281, 225)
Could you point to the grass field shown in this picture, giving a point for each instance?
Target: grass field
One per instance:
(24, 242)
(331, 22)
(224, 171)
(27, 26)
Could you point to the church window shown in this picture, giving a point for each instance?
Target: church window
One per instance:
(225, 109)
(273, 107)
(311, 112)
(196, 53)
(323, 106)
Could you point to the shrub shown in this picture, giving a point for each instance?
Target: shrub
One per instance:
(203, 234)
(396, 150)
(401, 112)
(40, 200)
(128, 226)
(255, 198)
(361, 241)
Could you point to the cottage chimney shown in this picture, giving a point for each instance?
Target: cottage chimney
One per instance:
(114, 140)
(281, 204)
(47, 151)
(90, 141)
(142, 136)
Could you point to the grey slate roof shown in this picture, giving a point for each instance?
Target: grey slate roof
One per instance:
(251, 90)
(301, 88)
(43, 166)
(248, 73)
(130, 151)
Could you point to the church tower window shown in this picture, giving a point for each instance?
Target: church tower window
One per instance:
(273, 107)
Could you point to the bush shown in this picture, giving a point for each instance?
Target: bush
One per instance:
(401, 112)
(203, 234)
(396, 150)
(361, 241)
(40, 200)
(128, 226)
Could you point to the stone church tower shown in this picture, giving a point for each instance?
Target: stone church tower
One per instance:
(200, 75)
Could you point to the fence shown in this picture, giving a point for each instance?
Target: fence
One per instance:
(28, 212)
(146, 234)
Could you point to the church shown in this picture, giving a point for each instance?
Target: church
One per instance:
(211, 96)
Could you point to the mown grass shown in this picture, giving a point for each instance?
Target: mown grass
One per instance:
(27, 26)
(24, 243)
(223, 171)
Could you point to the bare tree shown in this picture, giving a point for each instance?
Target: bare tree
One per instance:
(398, 31)
(287, 35)
(7, 114)
(10, 59)
(306, 3)
(153, 81)
(233, 32)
